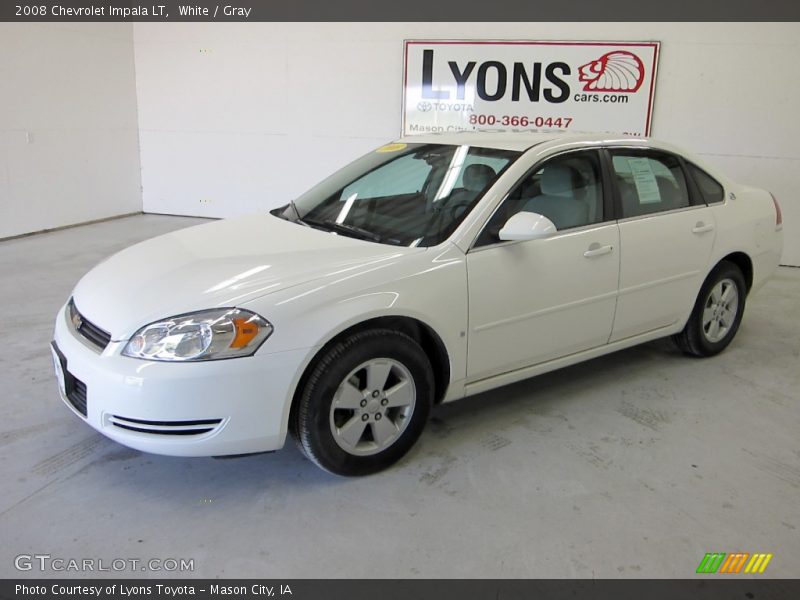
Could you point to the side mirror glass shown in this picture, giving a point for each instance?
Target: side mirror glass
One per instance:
(527, 226)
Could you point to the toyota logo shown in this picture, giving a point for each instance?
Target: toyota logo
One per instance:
(424, 106)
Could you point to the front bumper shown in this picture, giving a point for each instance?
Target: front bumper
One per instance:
(212, 408)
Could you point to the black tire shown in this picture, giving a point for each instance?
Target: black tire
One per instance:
(695, 339)
(313, 419)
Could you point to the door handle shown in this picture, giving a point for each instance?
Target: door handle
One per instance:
(701, 227)
(597, 250)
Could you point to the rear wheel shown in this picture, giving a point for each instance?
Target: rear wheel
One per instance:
(365, 403)
(717, 313)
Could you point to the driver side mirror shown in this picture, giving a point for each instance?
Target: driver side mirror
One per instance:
(527, 226)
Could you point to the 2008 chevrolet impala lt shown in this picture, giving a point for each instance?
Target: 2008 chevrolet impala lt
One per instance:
(430, 269)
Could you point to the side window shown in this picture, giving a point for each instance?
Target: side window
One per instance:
(649, 183)
(711, 189)
(567, 189)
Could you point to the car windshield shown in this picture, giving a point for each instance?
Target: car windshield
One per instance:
(402, 194)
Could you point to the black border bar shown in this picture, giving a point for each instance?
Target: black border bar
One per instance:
(710, 587)
(401, 10)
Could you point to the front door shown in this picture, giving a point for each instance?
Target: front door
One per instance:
(534, 301)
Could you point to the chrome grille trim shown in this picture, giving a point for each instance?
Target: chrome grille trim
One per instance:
(97, 337)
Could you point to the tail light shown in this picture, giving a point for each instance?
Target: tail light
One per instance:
(778, 214)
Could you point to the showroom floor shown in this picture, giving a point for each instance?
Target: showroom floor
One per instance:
(631, 465)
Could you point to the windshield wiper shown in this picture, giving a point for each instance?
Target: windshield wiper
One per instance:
(345, 229)
(297, 218)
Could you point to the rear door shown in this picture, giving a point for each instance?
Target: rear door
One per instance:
(666, 237)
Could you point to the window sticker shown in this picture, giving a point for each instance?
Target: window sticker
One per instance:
(391, 148)
(645, 181)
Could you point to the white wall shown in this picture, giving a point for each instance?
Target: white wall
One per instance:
(238, 118)
(69, 148)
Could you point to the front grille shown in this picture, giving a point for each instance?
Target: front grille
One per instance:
(77, 394)
(91, 332)
(197, 427)
(94, 334)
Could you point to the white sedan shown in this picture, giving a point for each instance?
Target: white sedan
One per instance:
(433, 268)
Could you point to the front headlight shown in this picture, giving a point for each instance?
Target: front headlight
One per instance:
(204, 335)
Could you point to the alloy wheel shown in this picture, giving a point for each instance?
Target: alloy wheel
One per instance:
(372, 406)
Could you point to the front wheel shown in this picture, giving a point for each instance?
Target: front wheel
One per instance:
(717, 313)
(365, 403)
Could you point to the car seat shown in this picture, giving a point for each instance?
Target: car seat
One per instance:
(558, 200)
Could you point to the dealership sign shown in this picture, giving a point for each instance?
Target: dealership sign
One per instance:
(573, 86)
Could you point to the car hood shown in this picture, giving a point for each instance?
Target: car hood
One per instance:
(223, 263)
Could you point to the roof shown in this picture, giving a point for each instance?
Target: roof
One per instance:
(523, 140)
(511, 140)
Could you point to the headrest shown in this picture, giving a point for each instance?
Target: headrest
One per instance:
(558, 180)
(477, 177)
